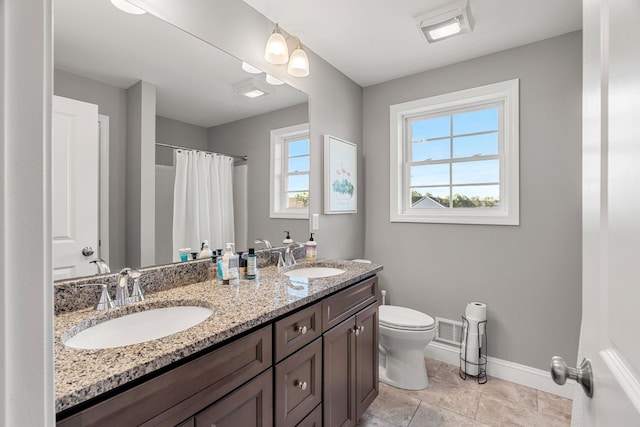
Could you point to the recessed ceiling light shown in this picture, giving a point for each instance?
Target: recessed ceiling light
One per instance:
(273, 81)
(127, 7)
(250, 68)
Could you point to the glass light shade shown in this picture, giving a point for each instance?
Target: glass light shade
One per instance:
(446, 30)
(273, 81)
(298, 63)
(127, 7)
(250, 68)
(276, 51)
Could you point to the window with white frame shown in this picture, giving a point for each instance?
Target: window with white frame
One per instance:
(290, 167)
(454, 157)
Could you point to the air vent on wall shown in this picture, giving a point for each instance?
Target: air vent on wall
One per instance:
(448, 331)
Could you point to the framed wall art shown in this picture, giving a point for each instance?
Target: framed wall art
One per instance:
(340, 176)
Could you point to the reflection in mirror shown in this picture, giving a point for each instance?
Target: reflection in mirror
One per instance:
(137, 66)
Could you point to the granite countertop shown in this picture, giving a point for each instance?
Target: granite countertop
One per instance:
(84, 374)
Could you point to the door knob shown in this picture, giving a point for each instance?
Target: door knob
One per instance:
(583, 375)
(88, 251)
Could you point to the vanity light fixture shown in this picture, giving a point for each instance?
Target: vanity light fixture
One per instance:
(276, 52)
(251, 88)
(273, 81)
(446, 22)
(250, 68)
(127, 7)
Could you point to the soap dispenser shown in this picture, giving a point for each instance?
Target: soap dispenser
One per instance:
(287, 239)
(310, 249)
(205, 252)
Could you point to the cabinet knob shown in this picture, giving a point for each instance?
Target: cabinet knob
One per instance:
(301, 384)
(357, 330)
(301, 329)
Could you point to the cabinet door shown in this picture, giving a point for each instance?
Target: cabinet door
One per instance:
(298, 381)
(366, 358)
(339, 397)
(249, 406)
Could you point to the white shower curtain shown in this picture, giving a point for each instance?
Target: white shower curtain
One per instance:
(202, 201)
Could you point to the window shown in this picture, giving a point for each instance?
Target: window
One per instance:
(290, 166)
(454, 157)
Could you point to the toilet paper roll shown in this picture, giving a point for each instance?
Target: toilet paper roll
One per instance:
(476, 311)
(471, 355)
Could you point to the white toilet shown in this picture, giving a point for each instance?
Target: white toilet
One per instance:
(404, 333)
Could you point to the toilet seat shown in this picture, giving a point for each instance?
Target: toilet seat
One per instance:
(405, 319)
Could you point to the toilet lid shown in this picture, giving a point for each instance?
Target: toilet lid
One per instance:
(392, 316)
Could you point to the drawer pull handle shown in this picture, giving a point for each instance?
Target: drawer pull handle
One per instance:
(301, 384)
(357, 330)
(301, 329)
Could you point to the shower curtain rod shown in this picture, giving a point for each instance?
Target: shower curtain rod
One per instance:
(204, 151)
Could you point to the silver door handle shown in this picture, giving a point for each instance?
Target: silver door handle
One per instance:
(583, 375)
(88, 251)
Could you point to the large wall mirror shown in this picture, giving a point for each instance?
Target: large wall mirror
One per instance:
(101, 52)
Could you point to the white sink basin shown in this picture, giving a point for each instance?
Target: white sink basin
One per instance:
(314, 272)
(138, 327)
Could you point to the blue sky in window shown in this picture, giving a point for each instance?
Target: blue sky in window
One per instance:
(299, 164)
(298, 183)
(299, 147)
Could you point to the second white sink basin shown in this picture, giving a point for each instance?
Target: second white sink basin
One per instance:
(138, 327)
(314, 272)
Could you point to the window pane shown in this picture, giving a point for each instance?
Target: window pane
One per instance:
(299, 164)
(475, 121)
(298, 199)
(476, 172)
(299, 147)
(430, 128)
(430, 198)
(435, 150)
(478, 196)
(468, 146)
(298, 182)
(429, 175)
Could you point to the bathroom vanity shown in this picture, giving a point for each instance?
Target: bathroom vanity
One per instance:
(278, 351)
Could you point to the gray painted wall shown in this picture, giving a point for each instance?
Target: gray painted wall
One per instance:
(251, 137)
(111, 102)
(529, 275)
(335, 105)
(175, 132)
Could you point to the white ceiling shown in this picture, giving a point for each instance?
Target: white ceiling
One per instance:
(373, 41)
(193, 79)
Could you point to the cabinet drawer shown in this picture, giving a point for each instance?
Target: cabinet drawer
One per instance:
(297, 330)
(249, 406)
(211, 376)
(346, 303)
(314, 419)
(298, 384)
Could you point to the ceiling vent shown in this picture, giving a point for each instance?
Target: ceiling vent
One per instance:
(446, 22)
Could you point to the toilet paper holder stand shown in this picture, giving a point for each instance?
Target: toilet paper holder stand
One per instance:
(469, 368)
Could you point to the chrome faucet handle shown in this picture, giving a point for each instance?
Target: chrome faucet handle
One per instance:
(122, 287)
(136, 294)
(104, 302)
(103, 267)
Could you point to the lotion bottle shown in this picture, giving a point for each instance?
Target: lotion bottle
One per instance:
(310, 249)
(252, 264)
(226, 259)
(205, 252)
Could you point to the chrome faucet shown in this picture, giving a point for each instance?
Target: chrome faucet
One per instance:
(122, 286)
(103, 268)
(265, 242)
(289, 259)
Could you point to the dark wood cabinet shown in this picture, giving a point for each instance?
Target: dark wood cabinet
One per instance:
(350, 356)
(317, 366)
(249, 406)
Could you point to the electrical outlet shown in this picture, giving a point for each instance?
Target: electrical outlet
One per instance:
(315, 222)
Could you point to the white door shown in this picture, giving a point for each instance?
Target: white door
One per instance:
(74, 187)
(610, 335)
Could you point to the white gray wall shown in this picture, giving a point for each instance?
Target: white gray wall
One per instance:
(251, 137)
(112, 102)
(175, 132)
(335, 105)
(529, 275)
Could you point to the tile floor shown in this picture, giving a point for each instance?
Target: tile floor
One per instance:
(451, 401)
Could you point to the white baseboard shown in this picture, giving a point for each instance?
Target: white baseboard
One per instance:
(505, 370)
